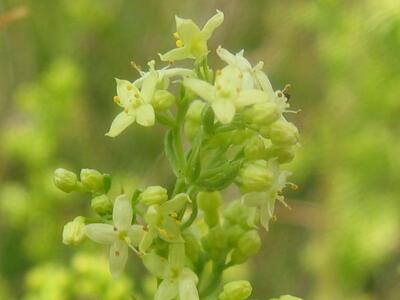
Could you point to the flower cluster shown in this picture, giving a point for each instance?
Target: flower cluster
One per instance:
(225, 128)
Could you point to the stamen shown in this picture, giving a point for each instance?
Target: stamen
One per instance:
(274, 218)
(117, 253)
(176, 35)
(292, 185)
(179, 43)
(129, 87)
(117, 99)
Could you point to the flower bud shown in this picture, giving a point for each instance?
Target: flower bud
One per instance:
(238, 213)
(215, 243)
(248, 245)
(284, 154)
(92, 180)
(255, 176)
(195, 110)
(152, 215)
(65, 180)
(236, 290)
(255, 148)
(74, 231)
(191, 128)
(162, 100)
(102, 205)
(209, 203)
(282, 133)
(262, 114)
(233, 232)
(153, 195)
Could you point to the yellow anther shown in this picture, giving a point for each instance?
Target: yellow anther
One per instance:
(176, 35)
(136, 95)
(116, 99)
(274, 218)
(179, 43)
(173, 215)
(126, 110)
(292, 185)
(129, 87)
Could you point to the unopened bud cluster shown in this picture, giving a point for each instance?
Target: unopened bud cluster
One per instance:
(224, 127)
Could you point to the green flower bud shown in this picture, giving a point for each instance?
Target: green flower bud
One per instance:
(209, 203)
(248, 245)
(162, 100)
(282, 133)
(74, 231)
(191, 128)
(102, 205)
(65, 180)
(195, 110)
(255, 176)
(92, 180)
(215, 242)
(153, 195)
(241, 136)
(234, 233)
(262, 114)
(152, 215)
(255, 148)
(284, 154)
(236, 290)
(238, 213)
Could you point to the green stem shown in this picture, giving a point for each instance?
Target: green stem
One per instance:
(215, 280)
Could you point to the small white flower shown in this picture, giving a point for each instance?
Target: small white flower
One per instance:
(119, 236)
(191, 42)
(177, 280)
(265, 200)
(136, 104)
(226, 95)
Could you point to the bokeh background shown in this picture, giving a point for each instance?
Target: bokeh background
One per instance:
(58, 58)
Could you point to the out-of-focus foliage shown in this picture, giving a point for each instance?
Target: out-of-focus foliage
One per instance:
(341, 239)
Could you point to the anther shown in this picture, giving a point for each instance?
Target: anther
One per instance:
(116, 99)
(129, 87)
(176, 35)
(274, 218)
(179, 43)
(116, 253)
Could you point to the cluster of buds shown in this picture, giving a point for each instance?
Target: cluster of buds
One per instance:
(235, 133)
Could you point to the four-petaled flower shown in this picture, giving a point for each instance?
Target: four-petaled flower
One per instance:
(265, 200)
(226, 95)
(136, 104)
(162, 221)
(177, 280)
(191, 42)
(120, 235)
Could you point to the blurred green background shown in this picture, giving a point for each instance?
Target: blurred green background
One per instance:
(58, 58)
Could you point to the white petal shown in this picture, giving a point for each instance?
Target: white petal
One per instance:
(187, 286)
(145, 115)
(120, 123)
(167, 290)
(118, 257)
(226, 56)
(250, 97)
(125, 91)
(254, 198)
(264, 82)
(265, 216)
(176, 54)
(155, 264)
(224, 110)
(175, 204)
(176, 256)
(147, 239)
(212, 24)
(201, 88)
(149, 85)
(186, 29)
(101, 233)
(122, 212)
(136, 234)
